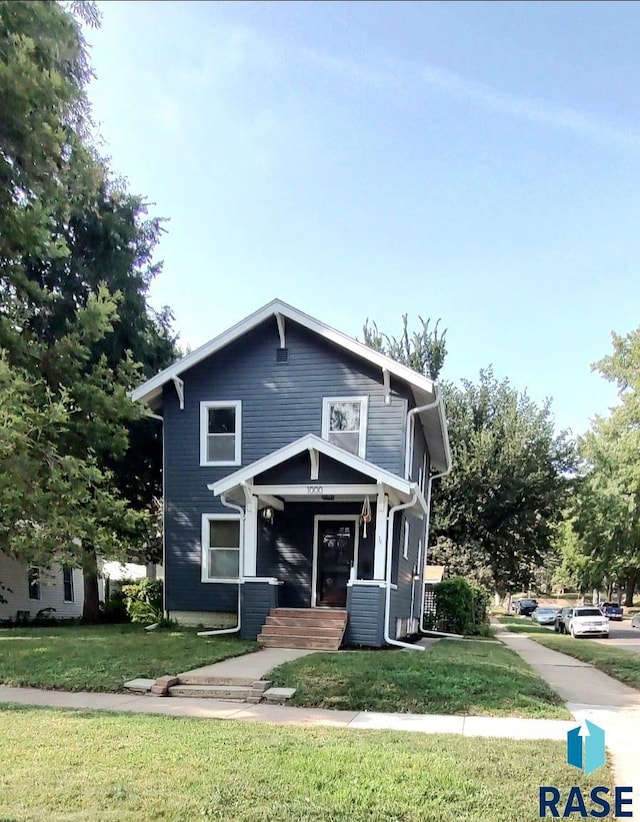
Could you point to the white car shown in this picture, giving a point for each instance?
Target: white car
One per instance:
(588, 621)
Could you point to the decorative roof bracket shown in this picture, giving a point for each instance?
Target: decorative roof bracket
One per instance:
(280, 321)
(179, 384)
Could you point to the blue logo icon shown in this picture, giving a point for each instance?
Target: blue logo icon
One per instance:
(585, 747)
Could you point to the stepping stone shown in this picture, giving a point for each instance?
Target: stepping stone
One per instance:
(139, 686)
(278, 695)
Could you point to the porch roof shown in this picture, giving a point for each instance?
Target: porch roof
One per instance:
(402, 489)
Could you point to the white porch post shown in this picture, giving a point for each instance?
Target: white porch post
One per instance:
(250, 533)
(379, 554)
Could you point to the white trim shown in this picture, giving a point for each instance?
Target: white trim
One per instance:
(372, 583)
(380, 545)
(327, 402)
(403, 486)
(405, 548)
(250, 536)
(205, 407)
(270, 580)
(179, 385)
(205, 547)
(386, 379)
(152, 389)
(313, 489)
(314, 459)
(356, 544)
(280, 322)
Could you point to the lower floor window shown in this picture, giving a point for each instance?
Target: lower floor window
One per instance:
(67, 579)
(33, 579)
(220, 547)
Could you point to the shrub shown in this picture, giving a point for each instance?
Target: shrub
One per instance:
(143, 600)
(115, 609)
(460, 607)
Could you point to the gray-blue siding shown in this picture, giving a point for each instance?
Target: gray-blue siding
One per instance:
(280, 403)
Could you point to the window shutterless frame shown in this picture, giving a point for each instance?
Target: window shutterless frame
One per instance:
(328, 403)
(231, 440)
(208, 549)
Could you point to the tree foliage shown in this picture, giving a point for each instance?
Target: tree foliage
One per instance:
(424, 351)
(76, 330)
(607, 505)
(495, 515)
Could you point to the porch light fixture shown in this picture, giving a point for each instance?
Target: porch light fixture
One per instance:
(267, 514)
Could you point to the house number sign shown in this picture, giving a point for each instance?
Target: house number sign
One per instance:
(315, 489)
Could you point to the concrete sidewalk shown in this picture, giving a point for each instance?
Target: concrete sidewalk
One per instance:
(487, 726)
(590, 694)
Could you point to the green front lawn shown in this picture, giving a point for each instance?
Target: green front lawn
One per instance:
(61, 765)
(103, 658)
(618, 663)
(451, 677)
(523, 625)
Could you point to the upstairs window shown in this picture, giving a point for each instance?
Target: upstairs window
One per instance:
(344, 423)
(220, 433)
(220, 547)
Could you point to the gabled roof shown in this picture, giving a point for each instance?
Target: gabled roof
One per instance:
(424, 389)
(404, 488)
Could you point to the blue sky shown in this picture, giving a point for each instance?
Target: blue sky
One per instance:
(474, 162)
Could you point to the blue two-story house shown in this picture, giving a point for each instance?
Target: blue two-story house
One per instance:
(298, 465)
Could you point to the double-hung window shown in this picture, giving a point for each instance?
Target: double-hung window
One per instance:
(67, 582)
(220, 433)
(220, 547)
(33, 581)
(344, 423)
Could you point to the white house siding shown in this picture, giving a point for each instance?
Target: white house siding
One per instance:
(14, 576)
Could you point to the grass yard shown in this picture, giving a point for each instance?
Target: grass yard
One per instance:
(134, 768)
(522, 625)
(103, 658)
(618, 663)
(451, 677)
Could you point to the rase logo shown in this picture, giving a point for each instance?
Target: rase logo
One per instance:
(586, 751)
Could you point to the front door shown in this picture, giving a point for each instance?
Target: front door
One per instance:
(336, 542)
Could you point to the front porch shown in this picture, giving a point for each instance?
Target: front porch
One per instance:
(305, 544)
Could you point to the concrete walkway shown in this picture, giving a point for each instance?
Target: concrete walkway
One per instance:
(488, 726)
(249, 666)
(590, 694)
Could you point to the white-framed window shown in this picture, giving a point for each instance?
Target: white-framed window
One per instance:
(220, 547)
(67, 583)
(220, 433)
(33, 581)
(405, 550)
(344, 423)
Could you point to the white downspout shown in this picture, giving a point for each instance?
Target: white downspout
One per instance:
(219, 631)
(426, 548)
(387, 597)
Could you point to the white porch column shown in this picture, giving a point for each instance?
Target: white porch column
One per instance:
(379, 554)
(250, 534)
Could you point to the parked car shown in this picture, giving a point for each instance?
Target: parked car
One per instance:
(526, 607)
(514, 606)
(545, 615)
(588, 621)
(635, 621)
(612, 610)
(560, 625)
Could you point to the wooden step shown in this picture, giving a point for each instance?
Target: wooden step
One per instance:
(319, 629)
(296, 630)
(311, 613)
(303, 622)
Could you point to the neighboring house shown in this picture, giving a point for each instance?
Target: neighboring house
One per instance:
(114, 574)
(277, 435)
(28, 591)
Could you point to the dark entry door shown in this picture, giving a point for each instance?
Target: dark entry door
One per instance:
(336, 540)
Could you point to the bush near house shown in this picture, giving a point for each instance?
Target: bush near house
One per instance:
(461, 608)
(143, 600)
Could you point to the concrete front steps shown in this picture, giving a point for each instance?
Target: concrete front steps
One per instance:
(320, 629)
(212, 687)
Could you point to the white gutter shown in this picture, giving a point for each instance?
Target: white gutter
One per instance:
(387, 596)
(235, 630)
(411, 423)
